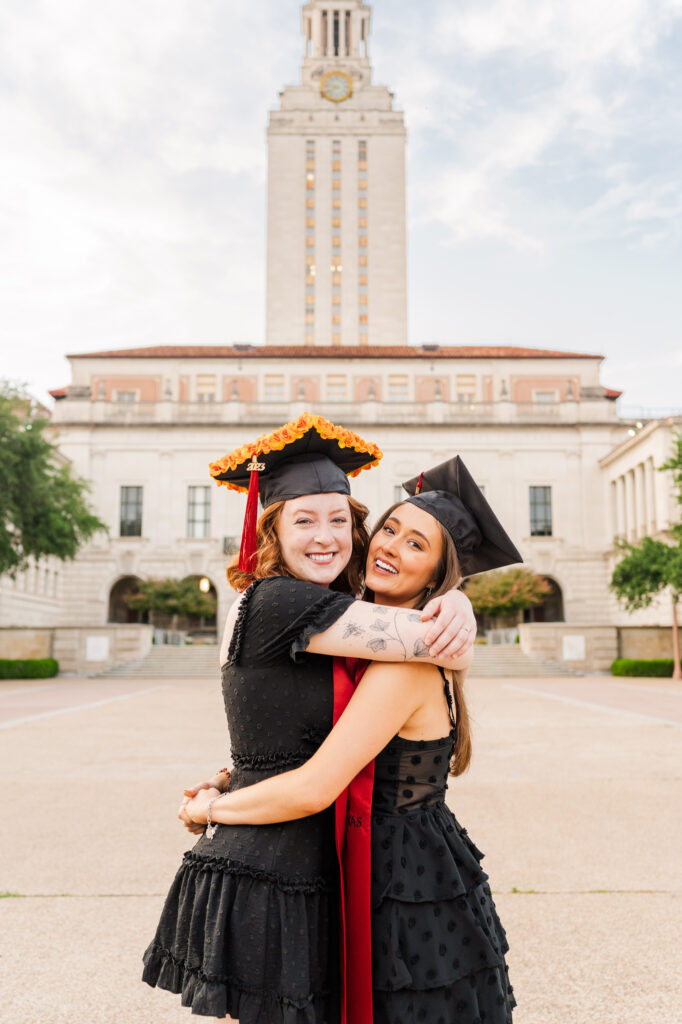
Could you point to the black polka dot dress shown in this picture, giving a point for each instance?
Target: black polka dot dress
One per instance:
(437, 942)
(250, 925)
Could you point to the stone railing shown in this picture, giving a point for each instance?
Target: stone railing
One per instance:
(85, 411)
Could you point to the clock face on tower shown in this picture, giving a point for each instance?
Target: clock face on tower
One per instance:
(336, 86)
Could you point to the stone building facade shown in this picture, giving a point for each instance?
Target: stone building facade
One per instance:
(142, 426)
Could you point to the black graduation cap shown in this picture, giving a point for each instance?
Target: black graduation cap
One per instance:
(309, 456)
(451, 495)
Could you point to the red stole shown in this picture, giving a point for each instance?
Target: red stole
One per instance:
(353, 845)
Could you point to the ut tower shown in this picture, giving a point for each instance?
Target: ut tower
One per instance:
(336, 264)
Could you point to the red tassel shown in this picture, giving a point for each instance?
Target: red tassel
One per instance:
(248, 550)
(419, 485)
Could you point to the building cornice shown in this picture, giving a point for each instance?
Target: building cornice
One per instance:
(263, 352)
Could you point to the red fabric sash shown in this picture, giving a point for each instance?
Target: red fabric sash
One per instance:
(353, 811)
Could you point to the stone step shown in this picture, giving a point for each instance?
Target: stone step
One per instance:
(201, 661)
(508, 660)
(198, 661)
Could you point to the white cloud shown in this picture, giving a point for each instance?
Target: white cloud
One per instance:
(132, 181)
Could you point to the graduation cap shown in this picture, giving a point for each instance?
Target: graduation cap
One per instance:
(451, 495)
(309, 456)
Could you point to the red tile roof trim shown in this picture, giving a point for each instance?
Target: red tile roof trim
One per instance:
(610, 393)
(336, 352)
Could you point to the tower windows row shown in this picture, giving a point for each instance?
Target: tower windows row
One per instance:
(310, 267)
(336, 261)
(363, 262)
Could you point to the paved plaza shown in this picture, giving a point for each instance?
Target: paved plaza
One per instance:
(575, 795)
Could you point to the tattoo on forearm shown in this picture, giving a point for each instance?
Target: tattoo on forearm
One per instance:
(397, 633)
(381, 626)
(353, 629)
(377, 645)
(420, 649)
(414, 617)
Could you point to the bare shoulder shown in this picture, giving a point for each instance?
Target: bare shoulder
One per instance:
(414, 673)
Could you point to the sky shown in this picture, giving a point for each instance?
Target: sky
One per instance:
(544, 176)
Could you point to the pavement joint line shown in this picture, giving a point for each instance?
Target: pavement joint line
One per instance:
(79, 707)
(25, 689)
(592, 706)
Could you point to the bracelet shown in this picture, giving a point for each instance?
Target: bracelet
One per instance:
(211, 827)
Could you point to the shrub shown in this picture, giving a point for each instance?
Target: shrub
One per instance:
(29, 668)
(658, 667)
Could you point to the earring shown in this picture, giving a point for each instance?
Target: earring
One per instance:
(427, 595)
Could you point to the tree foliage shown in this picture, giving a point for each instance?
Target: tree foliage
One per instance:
(652, 566)
(506, 593)
(175, 598)
(43, 508)
(647, 568)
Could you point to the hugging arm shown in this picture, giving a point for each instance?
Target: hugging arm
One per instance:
(386, 697)
(378, 633)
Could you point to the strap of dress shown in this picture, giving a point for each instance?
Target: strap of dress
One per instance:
(448, 697)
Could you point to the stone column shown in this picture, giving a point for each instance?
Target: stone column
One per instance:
(650, 474)
(631, 504)
(342, 34)
(642, 519)
(330, 33)
(622, 507)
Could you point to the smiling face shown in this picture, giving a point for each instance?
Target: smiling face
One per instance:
(316, 537)
(404, 556)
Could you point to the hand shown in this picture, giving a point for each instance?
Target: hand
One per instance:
(219, 782)
(193, 813)
(191, 825)
(453, 630)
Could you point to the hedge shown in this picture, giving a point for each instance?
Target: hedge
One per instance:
(31, 668)
(659, 667)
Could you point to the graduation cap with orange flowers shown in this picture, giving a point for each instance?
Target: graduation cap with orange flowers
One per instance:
(308, 456)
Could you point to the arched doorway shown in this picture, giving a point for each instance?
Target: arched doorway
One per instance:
(118, 609)
(207, 626)
(552, 607)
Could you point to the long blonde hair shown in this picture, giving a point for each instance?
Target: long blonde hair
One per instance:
(270, 560)
(448, 575)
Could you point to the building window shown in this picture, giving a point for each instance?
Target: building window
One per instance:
(336, 388)
(206, 387)
(198, 511)
(274, 387)
(398, 388)
(541, 511)
(398, 493)
(125, 397)
(466, 387)
(131, 512)
(545, 397)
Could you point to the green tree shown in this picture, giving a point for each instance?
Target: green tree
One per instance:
(507, 592)
(651, 567)
(43, 508)
(175, 598)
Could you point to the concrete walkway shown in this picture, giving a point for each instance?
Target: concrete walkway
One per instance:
(575, 796)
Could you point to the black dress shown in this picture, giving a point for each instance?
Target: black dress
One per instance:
(249, 927)
(437, 943)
